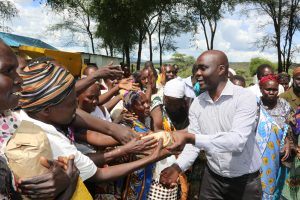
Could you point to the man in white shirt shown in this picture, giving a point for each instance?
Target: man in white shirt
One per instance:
(222, 123)
(263, 70)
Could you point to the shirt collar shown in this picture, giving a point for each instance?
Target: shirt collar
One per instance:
(227, 91)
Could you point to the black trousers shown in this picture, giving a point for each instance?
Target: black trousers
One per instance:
(216, 187)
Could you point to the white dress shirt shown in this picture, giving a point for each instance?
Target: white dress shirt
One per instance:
(225, 130)
(61, 146)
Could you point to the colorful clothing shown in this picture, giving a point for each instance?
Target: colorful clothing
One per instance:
(156, 99)
(140, 180)
(291, 189)
(8, 125)
(270, 138)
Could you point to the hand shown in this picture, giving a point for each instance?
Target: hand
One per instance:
(286, 150)
(129, 117)
(159, 153)
(169, 176)
(110, 71)
(128, 84)
(180, 139)
(123, 134)
(137, 145)
(46, 186)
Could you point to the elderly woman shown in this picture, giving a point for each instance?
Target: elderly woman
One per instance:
(272, 140)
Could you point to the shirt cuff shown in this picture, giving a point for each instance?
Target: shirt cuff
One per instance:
(203, 142)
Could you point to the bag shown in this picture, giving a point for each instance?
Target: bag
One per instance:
(158, 191)
(25, 148)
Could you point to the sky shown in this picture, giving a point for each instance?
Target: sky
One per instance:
(235, 34)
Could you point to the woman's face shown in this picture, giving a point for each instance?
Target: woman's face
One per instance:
(269, 90)
(144, 77)
(10, 81)
(141, 106)
(90, 99)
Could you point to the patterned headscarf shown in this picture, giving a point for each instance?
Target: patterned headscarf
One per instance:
(44, 85)
(130, 97)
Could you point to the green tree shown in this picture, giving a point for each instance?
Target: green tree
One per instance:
(182, 60)
(7, 11)
(171, 23)
(285, 15)
(255, 62)
(207, 14)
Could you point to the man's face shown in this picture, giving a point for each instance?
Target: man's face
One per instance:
(209, 71)
(10, 81)
(174, 104)
(269, 90)
(64, 113)
(90, 99)
(170, 73)
(296, 83)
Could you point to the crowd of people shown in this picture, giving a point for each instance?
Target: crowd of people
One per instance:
(151, 134)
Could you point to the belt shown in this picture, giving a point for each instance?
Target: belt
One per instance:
(244, 177)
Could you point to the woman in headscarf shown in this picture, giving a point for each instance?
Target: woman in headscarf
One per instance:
(139, 182)
(272, 131)
(10, 87)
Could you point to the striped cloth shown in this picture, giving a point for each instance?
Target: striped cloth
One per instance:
(44, 85)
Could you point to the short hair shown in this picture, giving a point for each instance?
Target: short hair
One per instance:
(195, 68)
(89, 66)
(238, 77)
(261, 68)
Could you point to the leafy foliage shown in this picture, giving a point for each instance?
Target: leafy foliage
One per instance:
(255, 62)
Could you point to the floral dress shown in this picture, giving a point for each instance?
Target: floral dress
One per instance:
(8, 125)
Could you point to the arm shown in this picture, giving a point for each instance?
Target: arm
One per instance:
(104, 98)
(118, 132)
(97, 139)
(113, 102)
(117, 171)
(103, 72)
(156, 115)
(82, 84)
(134, 146)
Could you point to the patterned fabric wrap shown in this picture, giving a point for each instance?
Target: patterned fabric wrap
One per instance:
(291, 189)
(143, 175)
(167, 123)
(270, 139)
(44, 85)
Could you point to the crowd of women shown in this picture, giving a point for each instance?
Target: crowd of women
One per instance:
(96, 127)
